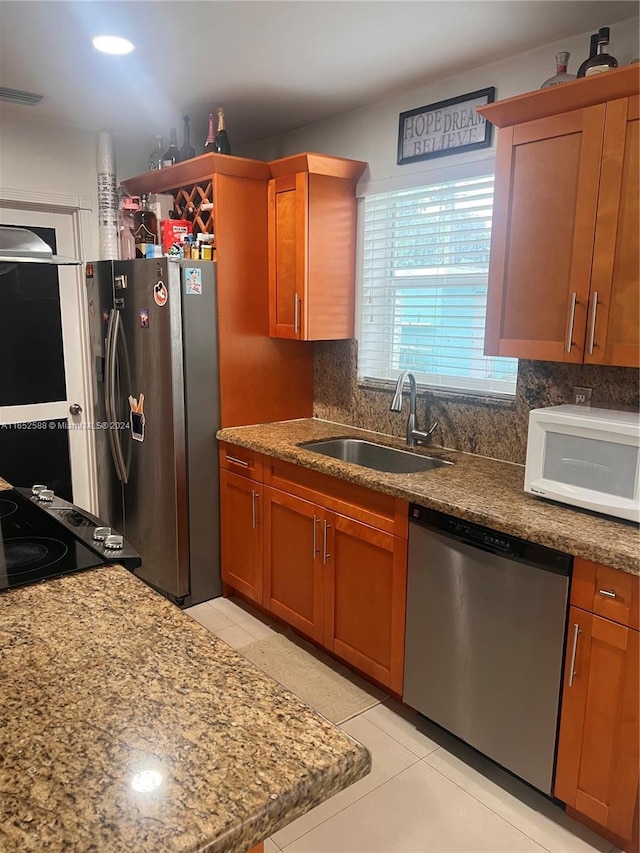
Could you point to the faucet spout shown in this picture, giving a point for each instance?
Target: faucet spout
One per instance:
(396, 403)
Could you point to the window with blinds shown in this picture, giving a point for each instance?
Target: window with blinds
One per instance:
(425, 262)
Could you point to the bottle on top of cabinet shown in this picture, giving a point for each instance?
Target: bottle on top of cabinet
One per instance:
(145, 228)
(561, 76)
(221, 142)
(171, 155)
(211, 135)
(593, 49)
(127, 226)
(187, 151)
(602, 61)
(156, 158)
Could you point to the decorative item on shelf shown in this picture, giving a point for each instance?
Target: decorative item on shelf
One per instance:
(221, 142)
(593, 49)
(146, 229)
(561, 76)
(446, 127)
(211, 135)
(156, 158)
(126, 226)
(187, 151)
(602, 61)
(170, 156)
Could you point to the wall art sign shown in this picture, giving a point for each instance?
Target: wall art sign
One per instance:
(446, 127)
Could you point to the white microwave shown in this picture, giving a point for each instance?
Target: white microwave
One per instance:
(589, 458)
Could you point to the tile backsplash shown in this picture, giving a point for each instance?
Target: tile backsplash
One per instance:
(489, 427)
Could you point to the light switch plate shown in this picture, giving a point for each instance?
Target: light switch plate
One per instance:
(581, 396)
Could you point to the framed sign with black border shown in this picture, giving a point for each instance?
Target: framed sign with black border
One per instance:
(446, 127)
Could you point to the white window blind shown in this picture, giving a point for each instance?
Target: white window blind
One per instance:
(425, 262)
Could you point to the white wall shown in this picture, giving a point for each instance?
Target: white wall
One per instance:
(371, 133)
(41, 156)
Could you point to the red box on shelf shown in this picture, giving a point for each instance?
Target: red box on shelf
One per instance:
(173, 232)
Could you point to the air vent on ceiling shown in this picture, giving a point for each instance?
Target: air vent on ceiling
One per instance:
(15, 96)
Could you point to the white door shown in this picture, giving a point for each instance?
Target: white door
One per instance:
(44, 382)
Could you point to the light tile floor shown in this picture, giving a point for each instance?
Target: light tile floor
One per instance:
(426, 793)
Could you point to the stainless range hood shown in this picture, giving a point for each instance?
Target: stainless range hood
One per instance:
(19, 246)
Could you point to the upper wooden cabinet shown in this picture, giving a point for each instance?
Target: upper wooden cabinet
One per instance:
(563, 276)
(312, 238)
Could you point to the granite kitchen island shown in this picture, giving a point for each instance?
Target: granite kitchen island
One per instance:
(126, 726)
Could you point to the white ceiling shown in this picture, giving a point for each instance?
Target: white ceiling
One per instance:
(274, 64)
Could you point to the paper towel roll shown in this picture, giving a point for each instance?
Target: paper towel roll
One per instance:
(108, 245)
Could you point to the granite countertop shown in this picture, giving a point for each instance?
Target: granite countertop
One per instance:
(476, 488)
(107, 689)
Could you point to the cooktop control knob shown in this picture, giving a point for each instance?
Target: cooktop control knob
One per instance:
(101, 533)
(45, 496)
(35, 490)
(114, 542)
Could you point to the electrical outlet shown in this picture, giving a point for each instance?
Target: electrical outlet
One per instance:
(581, 396)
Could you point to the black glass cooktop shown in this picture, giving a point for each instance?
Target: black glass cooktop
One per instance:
(34, 546)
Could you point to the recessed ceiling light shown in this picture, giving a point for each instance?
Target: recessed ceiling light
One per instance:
(112, 44)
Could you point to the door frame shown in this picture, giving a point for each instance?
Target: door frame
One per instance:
(80, 209)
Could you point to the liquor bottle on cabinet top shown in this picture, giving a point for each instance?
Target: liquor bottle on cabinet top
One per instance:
(170, 156)
(561, 75)
(157, 156)
(211, 135)
(593, 49)
(221, 142)
(187, 151)
(146, 228)
(602, 61)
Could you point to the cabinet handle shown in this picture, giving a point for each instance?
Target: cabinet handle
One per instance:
(325, 554)
(594, 311)
(254, 510)
(572, 671)
(296, 314)
(572, 317)
(315, 535)
(235, 461)
(608, 593)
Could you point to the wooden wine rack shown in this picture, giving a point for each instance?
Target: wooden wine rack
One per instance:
(188, 203)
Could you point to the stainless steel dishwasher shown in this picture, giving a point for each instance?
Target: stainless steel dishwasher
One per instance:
(485, 633)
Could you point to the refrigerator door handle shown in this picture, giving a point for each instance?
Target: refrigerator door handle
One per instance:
(110, 396)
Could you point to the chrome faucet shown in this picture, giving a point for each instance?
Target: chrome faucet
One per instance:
(413, 434)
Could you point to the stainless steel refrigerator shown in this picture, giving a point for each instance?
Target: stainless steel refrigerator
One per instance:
(153, 328)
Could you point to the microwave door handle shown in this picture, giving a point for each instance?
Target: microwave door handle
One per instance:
(110, 395)
(572, 317)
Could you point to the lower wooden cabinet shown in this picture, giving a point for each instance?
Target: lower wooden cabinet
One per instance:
(241, 533)
(598, 750)
(339, 581)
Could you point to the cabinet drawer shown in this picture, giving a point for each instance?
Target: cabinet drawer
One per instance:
(375, 508)
(606, 592)
(241, 461)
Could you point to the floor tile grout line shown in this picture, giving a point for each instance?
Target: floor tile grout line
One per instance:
(497, 814)
(419, 757)
(348, 806)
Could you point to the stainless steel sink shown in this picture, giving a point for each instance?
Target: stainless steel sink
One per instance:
(376, 456)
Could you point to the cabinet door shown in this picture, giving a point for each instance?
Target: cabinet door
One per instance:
(546, 193)
(287, 255)
(241, 534)
(613, 335)
(292, 562)
(364, 598)
(597, 770)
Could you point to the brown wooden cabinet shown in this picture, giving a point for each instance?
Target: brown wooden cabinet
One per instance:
(241, 520)
(563, 277)
(598, 753)
(312, 234)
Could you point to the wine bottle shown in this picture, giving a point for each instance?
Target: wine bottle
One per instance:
(146, 228)
(156, 157)
(211, 135)
(170, 156)
(593, 49)
(221, 142)
(187, 151)
(602, 61)
(561, 75)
